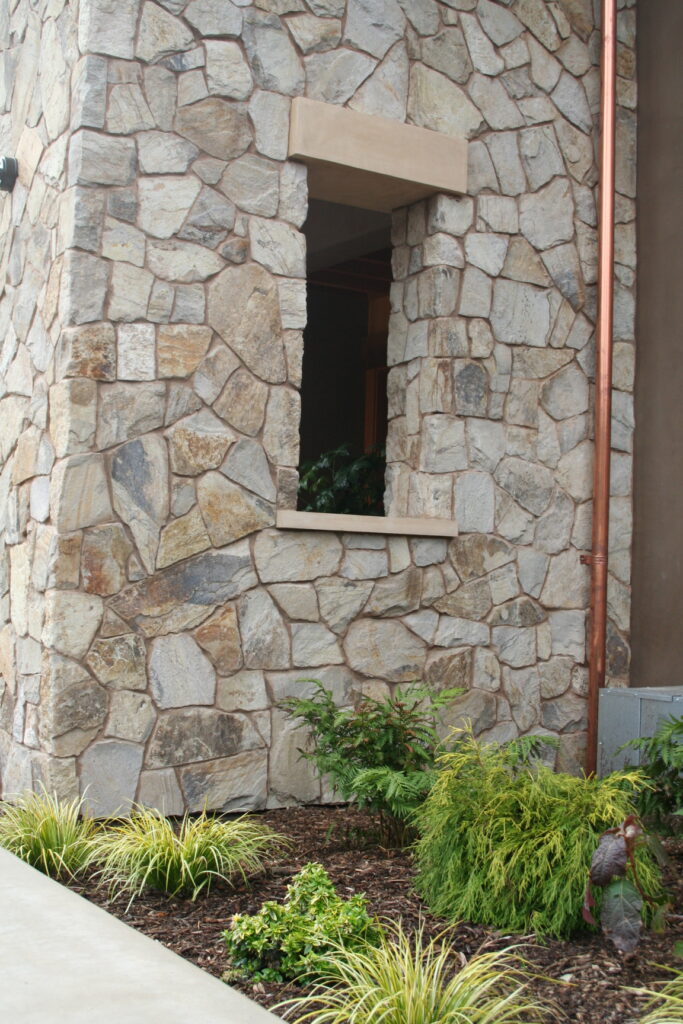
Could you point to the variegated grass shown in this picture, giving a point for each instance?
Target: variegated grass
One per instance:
(665, 1004)
(149, 851)
(415, 981)
(49, 834)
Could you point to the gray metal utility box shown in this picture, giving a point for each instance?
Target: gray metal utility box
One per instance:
(626, 714)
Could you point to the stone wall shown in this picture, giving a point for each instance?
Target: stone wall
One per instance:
(153, 306)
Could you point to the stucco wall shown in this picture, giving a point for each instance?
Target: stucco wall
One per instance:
(166, 390)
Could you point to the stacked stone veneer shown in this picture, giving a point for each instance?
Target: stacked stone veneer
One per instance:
(153, 265)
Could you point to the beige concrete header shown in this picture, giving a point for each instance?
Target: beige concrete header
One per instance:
(371, 162)
(389, 525)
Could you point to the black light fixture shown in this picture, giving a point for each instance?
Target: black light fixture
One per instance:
(9, 168)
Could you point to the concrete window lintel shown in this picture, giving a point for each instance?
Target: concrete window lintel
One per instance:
(372, 162)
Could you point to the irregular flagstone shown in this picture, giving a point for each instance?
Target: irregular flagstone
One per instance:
(160, 789)
(273, 59)
(110, 770)
(184, 595)
(244, 309)
(104, 558)
(216, 126)
(197, 443)
(341, 600)
(385, 93)
(477, 554)
(265, 641)
(384, 649)
(567, 582)
(437, 103)
(160, 34)
(313, 644)
(79, 495)
(477, 707)
(180, 674)
(531, 485)
(397, 594)
(139, 472)
(297, 600)
(131, 716)
(75, 709)
(219, 636)
(120, 662)
(65, 608)
(522, 689)
(183, 736)
(237, 783)
(183, 537)
(247, 465)
(470, 601)
(335, 76)
(126, 410)
(373, 25)
(243, 691)
(521, 612)
(180, 348)
(520, 314)
(242, 402)
(282, 556)
(214, 17)
(228, 512)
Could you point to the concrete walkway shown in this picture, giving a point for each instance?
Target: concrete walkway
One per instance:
(65, 961)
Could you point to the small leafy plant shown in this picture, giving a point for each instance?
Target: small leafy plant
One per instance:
(338, 481)
(49, 834)
(661, 759)
(293, 940)
(509, 843)
(148, 850)
(382, 752)
(412, 981)
(622, 899)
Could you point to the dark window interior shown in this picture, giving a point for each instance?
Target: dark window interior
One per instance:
(345, 341)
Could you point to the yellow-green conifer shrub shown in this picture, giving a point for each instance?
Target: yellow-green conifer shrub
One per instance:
(508, 843)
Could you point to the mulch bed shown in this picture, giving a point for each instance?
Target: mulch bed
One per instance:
(592, 974)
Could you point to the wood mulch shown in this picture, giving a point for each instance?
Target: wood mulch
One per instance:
(592, 975)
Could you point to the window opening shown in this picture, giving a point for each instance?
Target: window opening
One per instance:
(344, 375)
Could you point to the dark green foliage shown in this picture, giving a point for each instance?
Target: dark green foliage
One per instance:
(293, 940)
(661, 759)
(509, 844)
(340, 482)
(381, 753)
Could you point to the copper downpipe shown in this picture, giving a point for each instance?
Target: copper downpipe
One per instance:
(603, 384)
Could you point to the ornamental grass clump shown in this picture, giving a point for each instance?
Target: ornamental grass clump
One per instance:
(149, 851)
(412, 981)
(509, 843)
(49, 834)
(665, 1005)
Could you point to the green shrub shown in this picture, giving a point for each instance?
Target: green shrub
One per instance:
(147, 850)
(665, 1005)
(510, 844)
(661, 759)
(338, 481)
(293, 940)
(381, 752)
(414, 982)
(48, 834)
